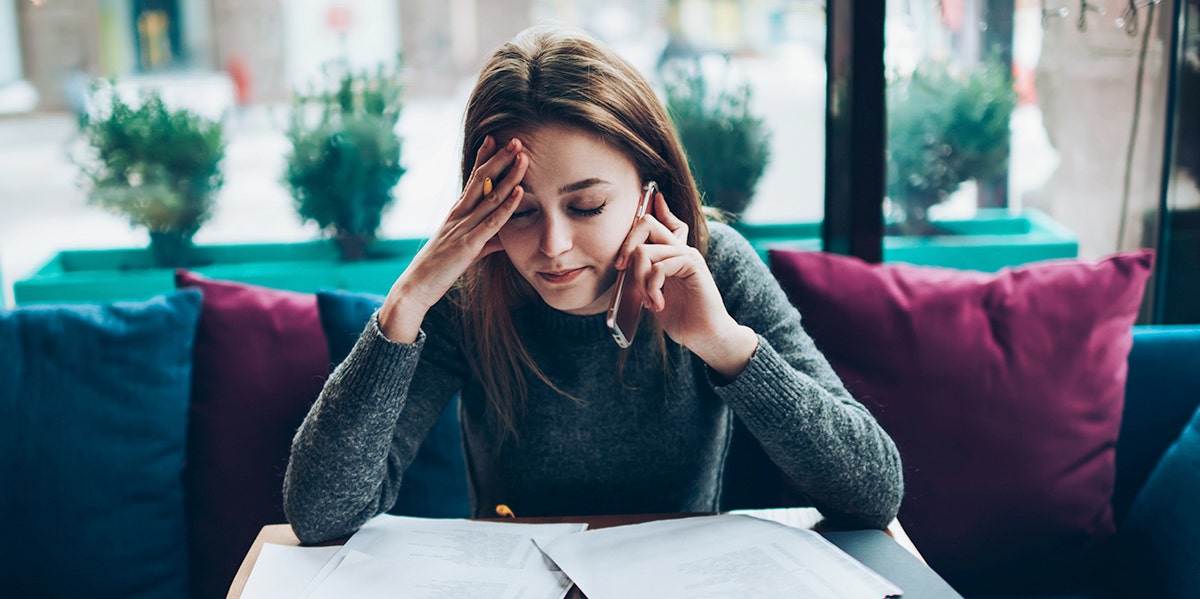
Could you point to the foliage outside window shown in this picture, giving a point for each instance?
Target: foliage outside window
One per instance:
(345, 156)
(944, 127)
(157, 167)
(727, 146)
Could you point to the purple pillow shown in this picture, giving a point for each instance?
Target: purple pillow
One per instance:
(260, 360)
(1003, 392)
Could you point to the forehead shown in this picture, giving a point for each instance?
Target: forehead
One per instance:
(561, 155)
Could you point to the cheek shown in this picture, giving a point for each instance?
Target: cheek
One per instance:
(612, 234)
(515, 240)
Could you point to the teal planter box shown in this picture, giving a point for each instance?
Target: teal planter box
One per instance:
(992, 240)
(129, 274)
(989, 242)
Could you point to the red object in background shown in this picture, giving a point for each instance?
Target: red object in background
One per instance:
(1023, 84)
(243, 79)
(952, 14)
(339, 18)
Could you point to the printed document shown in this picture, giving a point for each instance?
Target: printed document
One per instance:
(433, 552)
(710, 557)
(283, 572)
(364, 577)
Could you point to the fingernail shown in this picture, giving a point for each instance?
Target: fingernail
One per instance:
(512, 144)
(487, 185)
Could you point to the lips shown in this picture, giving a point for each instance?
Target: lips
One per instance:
(562, 276)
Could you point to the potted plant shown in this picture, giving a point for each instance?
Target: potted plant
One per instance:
(727, 146)
(944, 127)
(156, 166)
(345, 156)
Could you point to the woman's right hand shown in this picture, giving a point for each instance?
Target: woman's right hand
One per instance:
(467, 234)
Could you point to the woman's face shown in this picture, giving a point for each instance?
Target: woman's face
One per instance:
(580, 198)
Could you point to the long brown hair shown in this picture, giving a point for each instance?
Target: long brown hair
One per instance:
(548, 76)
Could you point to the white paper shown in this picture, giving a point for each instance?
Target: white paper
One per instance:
(283, 572)
(411, 543)
(467, 542)
(712, 557)
(364, 577)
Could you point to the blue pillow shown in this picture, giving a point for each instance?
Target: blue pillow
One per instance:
(435, 484)
(1160, 396)
(93, 423)
(1161, 530)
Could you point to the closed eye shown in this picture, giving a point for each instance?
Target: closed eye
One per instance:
(588, 212)
(522, 213)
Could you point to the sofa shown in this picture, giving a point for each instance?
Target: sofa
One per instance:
(144, 442)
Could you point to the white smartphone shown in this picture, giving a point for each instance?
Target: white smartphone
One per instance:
(625, 308)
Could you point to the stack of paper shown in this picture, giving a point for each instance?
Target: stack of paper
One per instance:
(712, 556)
(417, 558)
(699, 557)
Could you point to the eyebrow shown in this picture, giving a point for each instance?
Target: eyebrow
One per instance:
(584, 184)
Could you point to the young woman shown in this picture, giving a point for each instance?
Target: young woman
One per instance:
(507, 304)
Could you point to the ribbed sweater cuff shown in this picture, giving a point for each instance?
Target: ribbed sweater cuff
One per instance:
(758, 394)
(377, 360)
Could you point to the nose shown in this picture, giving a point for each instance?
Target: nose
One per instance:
(556, 237)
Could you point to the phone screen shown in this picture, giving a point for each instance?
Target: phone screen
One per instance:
(625, 310)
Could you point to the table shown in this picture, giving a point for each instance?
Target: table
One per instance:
(281, 534)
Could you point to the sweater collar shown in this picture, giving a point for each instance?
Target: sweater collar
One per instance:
(548, 321)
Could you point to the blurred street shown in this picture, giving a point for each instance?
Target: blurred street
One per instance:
(43, 209)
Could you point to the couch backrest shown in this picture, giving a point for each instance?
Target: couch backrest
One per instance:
(1161, 393)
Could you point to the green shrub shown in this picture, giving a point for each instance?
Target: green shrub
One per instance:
(727, 147)
(345, 156)
(157, 167)
(944, 128)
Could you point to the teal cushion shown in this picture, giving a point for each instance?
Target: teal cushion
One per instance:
(435, 484)
(1161, 533)
(1160, 396)
(93, 422)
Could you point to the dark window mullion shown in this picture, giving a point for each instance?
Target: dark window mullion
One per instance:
(855, 129)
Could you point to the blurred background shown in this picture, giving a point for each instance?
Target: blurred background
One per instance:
(1086, 140)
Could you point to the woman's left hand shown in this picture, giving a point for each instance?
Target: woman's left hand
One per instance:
(680, 290)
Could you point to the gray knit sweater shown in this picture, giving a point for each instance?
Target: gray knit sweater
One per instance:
(655, 444)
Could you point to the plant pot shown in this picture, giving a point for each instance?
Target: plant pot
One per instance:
(171, 249)
(353, 247)
(992, 240)
(133, 274)
(912, 218)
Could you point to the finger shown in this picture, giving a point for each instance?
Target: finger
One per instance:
(658, 232)
(648, 230)
(492, 246)
(485, 151)
(496, 219)
(662, 212)
(653, 264)
(637, 236)
(501, 192)
(679, 266)
(502, 188)
(495, 165)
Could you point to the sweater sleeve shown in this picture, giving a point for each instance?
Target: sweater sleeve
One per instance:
(350, 453)
(793, 402)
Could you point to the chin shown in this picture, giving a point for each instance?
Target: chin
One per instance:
(574, 302)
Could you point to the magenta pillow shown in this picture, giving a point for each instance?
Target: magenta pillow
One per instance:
(260, 360)
(1003, 392)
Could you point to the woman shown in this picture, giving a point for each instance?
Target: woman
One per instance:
(506, 303)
